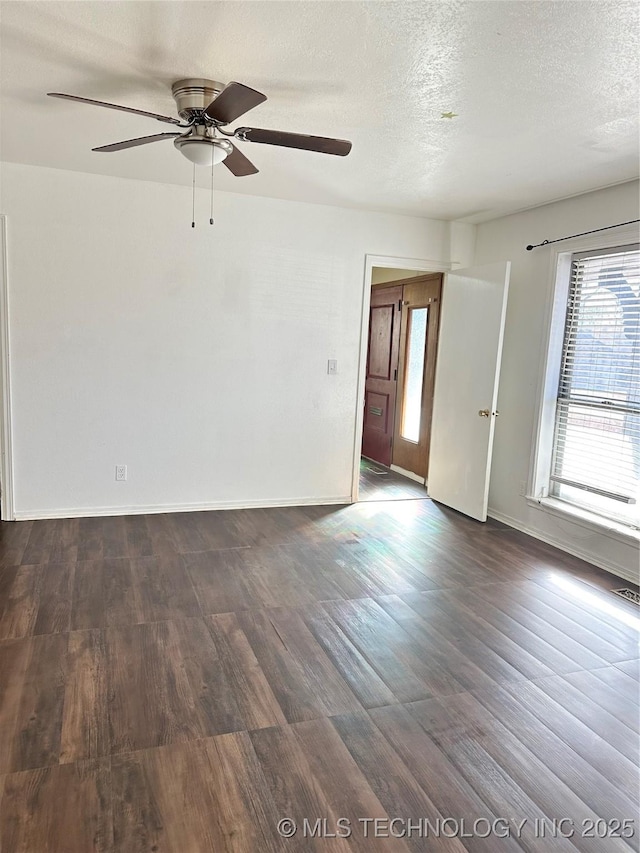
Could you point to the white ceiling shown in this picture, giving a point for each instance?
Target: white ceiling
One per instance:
(546, 95)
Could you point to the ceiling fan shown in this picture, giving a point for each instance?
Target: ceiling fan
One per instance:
(206, 107)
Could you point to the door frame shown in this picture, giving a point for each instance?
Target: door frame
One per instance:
(6, 443)
(388, 262)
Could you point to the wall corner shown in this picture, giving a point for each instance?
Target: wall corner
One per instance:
(462, 244)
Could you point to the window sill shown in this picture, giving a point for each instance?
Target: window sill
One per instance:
(589, 520)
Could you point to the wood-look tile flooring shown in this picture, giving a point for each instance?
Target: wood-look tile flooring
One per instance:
(378, 483)
(181, 683)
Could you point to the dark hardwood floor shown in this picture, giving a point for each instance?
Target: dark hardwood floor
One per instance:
(378, 483)
(182, 683)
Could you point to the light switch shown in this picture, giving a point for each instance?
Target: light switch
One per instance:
(332, 366)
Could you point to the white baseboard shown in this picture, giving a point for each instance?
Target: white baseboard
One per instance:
(587, 556)
(408, 474)
(152, 509)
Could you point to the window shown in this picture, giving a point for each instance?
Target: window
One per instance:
(595, 455)
(414, 374)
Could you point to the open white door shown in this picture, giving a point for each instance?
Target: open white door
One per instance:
(474, 305)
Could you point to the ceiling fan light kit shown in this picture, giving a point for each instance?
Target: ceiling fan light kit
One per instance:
(206, 107)
(202, 148)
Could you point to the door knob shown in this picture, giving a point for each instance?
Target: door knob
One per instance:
(484, 413)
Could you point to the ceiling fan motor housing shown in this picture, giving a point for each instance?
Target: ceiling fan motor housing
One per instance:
(193, 96)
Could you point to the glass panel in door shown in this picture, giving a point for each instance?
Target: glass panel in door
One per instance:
(414, 374)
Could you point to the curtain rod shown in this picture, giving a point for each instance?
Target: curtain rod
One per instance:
(582, 234)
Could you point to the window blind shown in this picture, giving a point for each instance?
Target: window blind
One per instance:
(596, 449)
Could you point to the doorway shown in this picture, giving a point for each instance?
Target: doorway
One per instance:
(399, 381)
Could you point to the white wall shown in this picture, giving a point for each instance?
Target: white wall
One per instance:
(462, 244)
(521, 376)
(196, 357)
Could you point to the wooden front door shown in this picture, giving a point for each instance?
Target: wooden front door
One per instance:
(416, 373)
(382, 373)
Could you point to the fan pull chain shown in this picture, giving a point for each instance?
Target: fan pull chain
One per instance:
(211, 210)
(193, 198)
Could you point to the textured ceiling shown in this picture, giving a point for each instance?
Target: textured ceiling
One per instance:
(546, 95)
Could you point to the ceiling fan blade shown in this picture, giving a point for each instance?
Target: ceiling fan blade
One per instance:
(234, 100)
(240, 165)
(131, 143)
(323, 144)
(168, 119)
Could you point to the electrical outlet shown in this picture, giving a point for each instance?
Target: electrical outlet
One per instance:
(121, 472)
